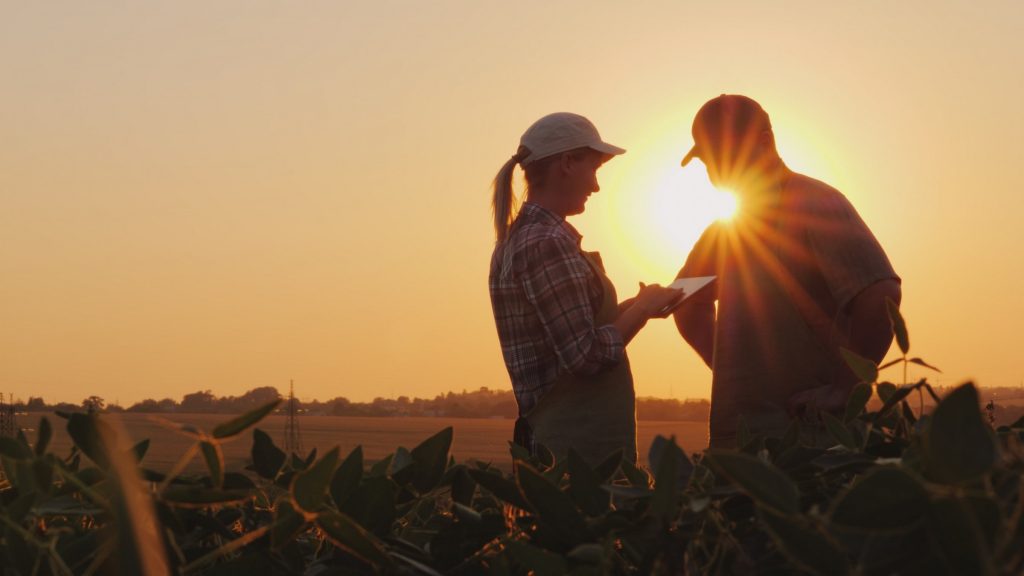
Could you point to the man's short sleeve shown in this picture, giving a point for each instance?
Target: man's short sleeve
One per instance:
(848, 254)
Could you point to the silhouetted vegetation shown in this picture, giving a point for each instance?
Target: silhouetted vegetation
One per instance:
(880, 489)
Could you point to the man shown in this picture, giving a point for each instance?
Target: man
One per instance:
(799, 276)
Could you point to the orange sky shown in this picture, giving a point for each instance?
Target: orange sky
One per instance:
(228, 195)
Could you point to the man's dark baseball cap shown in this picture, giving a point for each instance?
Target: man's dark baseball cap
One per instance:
(729, 116)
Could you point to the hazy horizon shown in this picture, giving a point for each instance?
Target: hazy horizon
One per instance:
(233, 195)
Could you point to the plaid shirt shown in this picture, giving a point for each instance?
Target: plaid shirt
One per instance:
(545, 295)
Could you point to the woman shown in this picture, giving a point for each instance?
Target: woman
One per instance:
(562, 332)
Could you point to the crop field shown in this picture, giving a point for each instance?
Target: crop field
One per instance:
(474, 438)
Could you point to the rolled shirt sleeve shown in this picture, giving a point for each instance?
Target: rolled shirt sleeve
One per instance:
(848, 254)
(556, 284)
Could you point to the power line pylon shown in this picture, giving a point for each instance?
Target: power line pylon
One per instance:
(6, 416)
(292, 438)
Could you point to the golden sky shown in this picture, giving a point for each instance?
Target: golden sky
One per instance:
(231, 194)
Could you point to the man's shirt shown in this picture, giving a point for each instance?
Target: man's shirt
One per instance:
(786, 273)
(544, 293)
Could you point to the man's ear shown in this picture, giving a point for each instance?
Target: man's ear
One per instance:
(566, 162)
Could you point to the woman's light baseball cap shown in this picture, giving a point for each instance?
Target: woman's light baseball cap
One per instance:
(561, 132)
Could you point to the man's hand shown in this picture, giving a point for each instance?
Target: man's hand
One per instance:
(808, 403)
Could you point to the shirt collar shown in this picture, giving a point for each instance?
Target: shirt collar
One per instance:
(531, 212)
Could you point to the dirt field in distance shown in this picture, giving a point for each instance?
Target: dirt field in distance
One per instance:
(481, 439)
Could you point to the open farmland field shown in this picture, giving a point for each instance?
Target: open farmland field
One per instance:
(481, 439)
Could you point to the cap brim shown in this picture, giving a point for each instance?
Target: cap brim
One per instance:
(689, 156)
(607, 148)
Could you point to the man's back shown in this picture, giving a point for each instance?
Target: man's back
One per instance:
(786, 270)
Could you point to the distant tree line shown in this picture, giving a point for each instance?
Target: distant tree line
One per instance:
(1004, 405)
(481, 403)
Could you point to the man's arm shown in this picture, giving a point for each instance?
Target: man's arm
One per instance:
(696, 324)
(870, 329)
(870, 336)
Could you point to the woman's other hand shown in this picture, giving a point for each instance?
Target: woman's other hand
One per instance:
(657, 301)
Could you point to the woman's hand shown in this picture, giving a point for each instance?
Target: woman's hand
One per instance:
(656, 301)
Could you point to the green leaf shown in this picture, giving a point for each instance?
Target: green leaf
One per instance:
(267, 458)
(958, 445)
(894, 398)
(288, 523)
(183, 496)
(310, 485)
(662, 446)
(863, 368)
(463, 486)
(92, 436)
(899, 327)
(959, 540)
(859, 397)
(536, 560)
(380, 467)
(803, 544)
(838, 431)
(237, 425)
(431, 458)
(634, 475)
(518, 452)
(373, 504)
(885, 499)
(607, 468)
(44, 436)
(140, 449)
(346, 478)
(585, 486)
(214, 462)
(11, 448)
(351, 537)
(765, 484)
(501, 487)
(402, 467)
(921, 362)
(552, 506)
(885, 391)
(672, 471)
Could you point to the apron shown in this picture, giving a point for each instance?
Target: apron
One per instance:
(594, 415)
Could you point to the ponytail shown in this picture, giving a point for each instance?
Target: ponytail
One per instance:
(503, 204)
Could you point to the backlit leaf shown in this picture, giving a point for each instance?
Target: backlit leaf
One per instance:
(959, 446)
(838, 431)
(921, 362)
(536, 560)
(899, 327)
(351, 537)
(859, 397)
(863, 368)
(431, 458)
(310, 486)
(497, 484)
(803, 544)
(886, 498)
(287, 524)
(239, 424)
(552, 506)
(765, 484)
(201, 496)
(214, 462)
(44, 436)
(585, 486)
(267, 458)
(347, 476)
